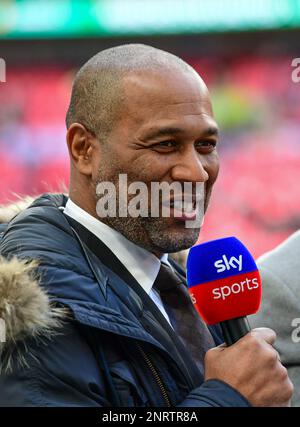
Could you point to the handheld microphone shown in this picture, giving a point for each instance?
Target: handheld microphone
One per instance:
(225, 285)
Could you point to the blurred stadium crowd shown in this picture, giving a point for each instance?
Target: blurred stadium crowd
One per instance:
(257, 197)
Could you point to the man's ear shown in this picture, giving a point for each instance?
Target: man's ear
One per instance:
(81, 144)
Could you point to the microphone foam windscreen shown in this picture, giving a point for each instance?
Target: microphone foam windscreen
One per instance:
(223, 280)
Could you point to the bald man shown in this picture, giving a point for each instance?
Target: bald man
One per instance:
(96, 312)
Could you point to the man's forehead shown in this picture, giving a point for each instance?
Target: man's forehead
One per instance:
(187, 85)
(164, 95)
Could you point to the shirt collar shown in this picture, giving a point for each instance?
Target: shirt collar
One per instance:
(142, 264)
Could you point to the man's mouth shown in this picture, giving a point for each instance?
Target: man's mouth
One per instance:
(185, 206)
(183, 210)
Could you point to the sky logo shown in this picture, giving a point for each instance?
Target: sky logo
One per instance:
(226, 264)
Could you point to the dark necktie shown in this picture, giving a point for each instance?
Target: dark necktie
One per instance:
(183, 315)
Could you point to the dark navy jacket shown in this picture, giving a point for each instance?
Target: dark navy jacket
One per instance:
(114, 348)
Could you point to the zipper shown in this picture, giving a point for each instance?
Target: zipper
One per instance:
(156, 376)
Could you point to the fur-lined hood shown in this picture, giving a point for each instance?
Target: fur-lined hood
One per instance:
(7, 212)
(25, 309)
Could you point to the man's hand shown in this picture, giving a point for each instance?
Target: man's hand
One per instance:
(252, 366)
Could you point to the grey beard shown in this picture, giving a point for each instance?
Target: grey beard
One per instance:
(153, 234)
(167, 242)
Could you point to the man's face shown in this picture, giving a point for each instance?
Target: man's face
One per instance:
(166, 133)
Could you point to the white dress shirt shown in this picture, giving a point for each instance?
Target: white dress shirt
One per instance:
(142, 264)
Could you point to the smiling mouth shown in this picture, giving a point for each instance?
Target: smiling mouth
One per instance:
(185, 203)
(185, 206)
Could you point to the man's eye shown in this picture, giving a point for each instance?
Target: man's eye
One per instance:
(166, 144)
(206, 144)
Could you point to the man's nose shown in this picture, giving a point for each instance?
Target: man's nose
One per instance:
(190, 168)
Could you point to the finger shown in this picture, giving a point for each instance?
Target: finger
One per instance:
(266, 334)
